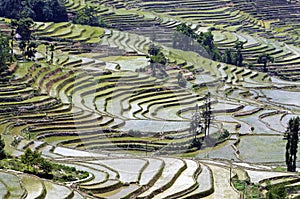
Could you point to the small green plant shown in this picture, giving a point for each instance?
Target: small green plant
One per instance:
(224, 134)
(240, 185)
(277, 192)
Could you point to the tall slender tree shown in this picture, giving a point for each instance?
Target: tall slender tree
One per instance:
(239, 56)
(2, 151)
(196, 125)
(52, 49)
(292, 143)
(207, 114)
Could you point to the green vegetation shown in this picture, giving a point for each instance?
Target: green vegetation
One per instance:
(277, 192)
(249, 191)
(4, 52)
(88, 16)
(38, 10)
(292, 135)
(157, 61)
(23, 27)
(224, 134)
(265, 59)
(234, 56)
(2, 151)
(205, 39)
(92, 96)
(32, 162)
(181, 81)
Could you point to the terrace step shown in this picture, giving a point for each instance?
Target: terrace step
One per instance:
(128, 173)
(173, 168)
(121, 192)
(12, 184)
(222, 186)
(4, 193)
(57, 191)
(205, 184)
(187, 176)
(34, 186)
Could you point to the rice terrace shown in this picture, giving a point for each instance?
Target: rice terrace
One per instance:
(149, 99)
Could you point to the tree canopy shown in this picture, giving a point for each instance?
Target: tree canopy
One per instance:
(4, 52)
(88, 16)
(265, 59)
(292, 143)
(2, 151)
(205, 39)
(38, 10)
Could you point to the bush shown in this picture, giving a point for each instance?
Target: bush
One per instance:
(224, 134)
(277, 192)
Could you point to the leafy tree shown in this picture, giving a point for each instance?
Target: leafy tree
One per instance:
(183, 28)
(4, 52)
(224, 134)
(22, 46)
(228, 56)
(39, 10)
(30, 157)
(153, 49)
(2, 151)
(23, 28)
(239, 56)
(206, 40)
(157, 60)
(88, 16)
(46, 166)
(265, 59)
(31, 50)
(239, 45)
(292, 143)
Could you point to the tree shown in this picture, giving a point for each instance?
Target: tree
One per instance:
(88, 16)
(31, 50)
(51, 49)
(2, 151)
(206, 114)
(292, 134)
(22, 46)
(157, 59)
(239, 45)
(23, 28)
(265, 59)
(196, 125)
(196, 128)
(39, 10)
(228, 56)
(180, 79)
(4, 52)
(206, 40)
(153, 50)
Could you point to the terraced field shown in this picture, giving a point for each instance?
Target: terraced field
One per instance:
(97, 107)
(146, 177)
